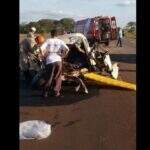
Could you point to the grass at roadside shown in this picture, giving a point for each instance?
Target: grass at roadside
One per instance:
(130, 35)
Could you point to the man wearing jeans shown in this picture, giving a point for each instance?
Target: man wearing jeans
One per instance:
(52, 50)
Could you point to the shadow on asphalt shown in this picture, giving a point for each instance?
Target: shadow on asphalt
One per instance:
(34, 97)
(125, 58)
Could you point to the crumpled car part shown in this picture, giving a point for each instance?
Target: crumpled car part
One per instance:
(115, 71)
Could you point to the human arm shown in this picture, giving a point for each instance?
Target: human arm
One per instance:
(43, 50)
(64, 49)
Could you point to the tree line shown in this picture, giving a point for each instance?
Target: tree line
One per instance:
(130, 27)
(46, 25)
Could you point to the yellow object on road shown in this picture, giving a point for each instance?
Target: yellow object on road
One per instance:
(109, 81)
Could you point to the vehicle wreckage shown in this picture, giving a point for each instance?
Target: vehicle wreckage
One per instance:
(83, 64)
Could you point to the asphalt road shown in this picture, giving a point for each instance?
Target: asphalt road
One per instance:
(105, 119)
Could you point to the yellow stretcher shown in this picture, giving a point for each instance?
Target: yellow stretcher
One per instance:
(103, 80)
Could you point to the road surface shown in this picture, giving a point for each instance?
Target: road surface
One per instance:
(103, 120)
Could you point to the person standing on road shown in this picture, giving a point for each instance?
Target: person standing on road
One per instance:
(26, 49)
(120, 36)
(107, 38)
(31, 36)
(52, 51)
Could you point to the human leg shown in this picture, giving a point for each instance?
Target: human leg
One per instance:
(57, 78)
(49, 73)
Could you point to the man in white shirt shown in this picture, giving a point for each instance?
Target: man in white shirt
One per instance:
(120, 36)
(53, 50)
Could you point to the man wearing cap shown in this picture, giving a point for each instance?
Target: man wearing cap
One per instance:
(31, 36)
(32, 32)
(53, 50)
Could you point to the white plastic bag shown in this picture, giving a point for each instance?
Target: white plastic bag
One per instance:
(107, 62)
(34, 129)
(115, 71)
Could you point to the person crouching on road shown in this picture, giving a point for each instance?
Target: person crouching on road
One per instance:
(52, 50)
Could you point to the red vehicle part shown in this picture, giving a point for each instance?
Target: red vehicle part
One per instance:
(90, 27)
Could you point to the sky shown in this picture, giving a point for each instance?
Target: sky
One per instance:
(34, 10)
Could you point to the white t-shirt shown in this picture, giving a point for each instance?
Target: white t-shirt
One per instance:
(54, 47)
(120, 33)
